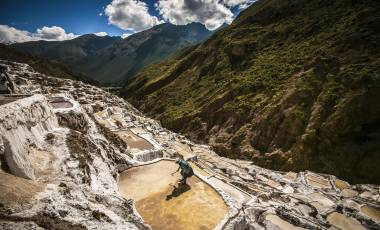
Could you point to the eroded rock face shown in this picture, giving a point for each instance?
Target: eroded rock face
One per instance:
(79, 158)
(6, 85)
(72, 120)
(23, 123)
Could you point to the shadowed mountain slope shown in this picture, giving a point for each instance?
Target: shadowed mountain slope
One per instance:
(291, 85)
(42, 65)
(69, 51)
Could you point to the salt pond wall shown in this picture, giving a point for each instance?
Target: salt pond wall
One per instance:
(23, 124)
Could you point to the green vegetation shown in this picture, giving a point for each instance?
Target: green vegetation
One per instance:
(303, 75)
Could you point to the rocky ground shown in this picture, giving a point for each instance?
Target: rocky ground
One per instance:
(63, 144)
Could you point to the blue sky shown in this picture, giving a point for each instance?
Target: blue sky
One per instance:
(20, 20)
(75, 16)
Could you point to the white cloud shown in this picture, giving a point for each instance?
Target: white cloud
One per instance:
(232, 3)
(243, 4)
(130, 15)
(101, 34)
(125, 35)
(12, 35)
(54, 33)
(211, 13)
(100, 14)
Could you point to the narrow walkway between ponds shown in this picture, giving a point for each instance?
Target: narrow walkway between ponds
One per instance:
(230, 190)
(164, 205)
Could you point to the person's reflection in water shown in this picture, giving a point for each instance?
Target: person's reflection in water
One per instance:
(178, 190)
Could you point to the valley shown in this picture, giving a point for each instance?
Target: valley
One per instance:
(190, 115)
(71, 169)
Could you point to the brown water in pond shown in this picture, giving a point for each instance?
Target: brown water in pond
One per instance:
(371, 212)
(60, 103)
(164, 205)
(134, 141)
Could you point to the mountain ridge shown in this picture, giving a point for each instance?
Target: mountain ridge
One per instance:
(42, 65)
(111, 60)
(67, 51)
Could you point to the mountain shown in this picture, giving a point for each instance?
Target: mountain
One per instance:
(122, 60)
(111, 60)
(290, 85)
(69, 51)
(40, 64)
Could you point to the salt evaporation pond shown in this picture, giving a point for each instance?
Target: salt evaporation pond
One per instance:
(134, 141)
(162, 206)
(60, 103)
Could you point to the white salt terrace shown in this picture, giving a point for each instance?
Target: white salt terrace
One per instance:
(141, 144)
(206, 203)
(201, 207)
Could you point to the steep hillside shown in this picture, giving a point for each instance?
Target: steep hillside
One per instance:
(42, 65)
(291, 84)
(111, 60)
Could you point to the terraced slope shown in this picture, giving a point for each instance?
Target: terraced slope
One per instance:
(291, 85)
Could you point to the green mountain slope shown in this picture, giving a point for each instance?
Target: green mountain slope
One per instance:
(291, 84)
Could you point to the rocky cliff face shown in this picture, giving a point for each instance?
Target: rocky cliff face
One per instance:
(290, 85)
(68, 138)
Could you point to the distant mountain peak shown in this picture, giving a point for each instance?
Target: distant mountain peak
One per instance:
(113, 59)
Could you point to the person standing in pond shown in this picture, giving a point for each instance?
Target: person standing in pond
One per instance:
(186, 170)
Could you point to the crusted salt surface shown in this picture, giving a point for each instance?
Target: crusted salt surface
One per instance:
(24, 122)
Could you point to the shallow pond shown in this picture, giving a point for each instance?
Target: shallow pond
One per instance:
(165, 205)
(134, 141)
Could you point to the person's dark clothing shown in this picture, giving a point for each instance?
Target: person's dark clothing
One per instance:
(186, 170)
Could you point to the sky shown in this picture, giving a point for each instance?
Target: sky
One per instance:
(29, 20)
